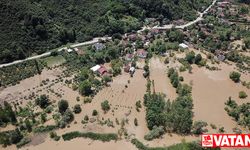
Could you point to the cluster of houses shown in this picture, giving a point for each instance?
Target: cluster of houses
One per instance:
(145, 38)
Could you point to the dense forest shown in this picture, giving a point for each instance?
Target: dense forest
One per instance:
(35, 26)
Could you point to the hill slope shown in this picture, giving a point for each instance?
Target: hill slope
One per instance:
(34, 26)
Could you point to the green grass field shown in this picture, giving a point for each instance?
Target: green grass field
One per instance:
(54, 60)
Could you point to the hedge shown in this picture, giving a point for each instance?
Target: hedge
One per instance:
(94, 136)
(42, 129)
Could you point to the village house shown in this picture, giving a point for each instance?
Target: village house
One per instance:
(141, 53)
(183, 45)
(126, 68)
(154, 31)
(132, 37)
(129, 57)
(98, 46)
(100, 69)
(69, 50)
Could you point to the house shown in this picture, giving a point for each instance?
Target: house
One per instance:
(99, 69)
(95, 68)
(126, 68)
(220, 57)
(80, 52)
(99, 46)
(142, 53)
(76, 49)
(155, 31)
(102, 70)
(132, 37)
(132, 70)
(183, 45)
(69, 50)
(129, 57)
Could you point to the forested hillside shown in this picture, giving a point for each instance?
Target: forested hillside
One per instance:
(34, 26)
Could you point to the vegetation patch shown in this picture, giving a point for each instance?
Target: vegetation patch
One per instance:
(54, 60)
(94, 136)
(42, 129)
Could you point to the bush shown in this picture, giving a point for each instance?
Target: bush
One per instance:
(42, 129)
(54, 136)
(94, 136)
(105, 106)
(136, 122)
(23, 142)
(87, 100)
(235, 76)
(77, 109)
(242, 95)
(197, 59)
(107, 79)
(190, 57)
(198, 127)
(156, 132)
(94, 113)
(86, 118)
(63, 106)
(42, 101)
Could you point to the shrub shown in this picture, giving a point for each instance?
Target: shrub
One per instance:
(105, 106)
(42, 101)
(77, 109)
(138, 105)
(156, 132)
(86, 118)
(235, 76)
(136, 122)
(94, 136)
(94, 113)
(198, 127)
(54, 136)
(197, 59)
(87, 100)
(68, 116)
(107, 79)
(42, 129)
(23, 142)
(242, 95)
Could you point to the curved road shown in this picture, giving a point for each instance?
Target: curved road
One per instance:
(95, 40)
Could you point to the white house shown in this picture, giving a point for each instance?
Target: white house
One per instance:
(76, 49)
(95, 68)
(69, 50)
(183, 45)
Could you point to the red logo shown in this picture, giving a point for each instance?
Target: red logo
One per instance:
(225, 140)
(207, 140)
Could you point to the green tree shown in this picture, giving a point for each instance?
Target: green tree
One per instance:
(42, 101)
(235, 76)
(198, 127)
(85, 88)
(190, 57)
(197, 59)
(63, 106)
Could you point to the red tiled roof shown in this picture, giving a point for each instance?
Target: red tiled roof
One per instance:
(102, 70)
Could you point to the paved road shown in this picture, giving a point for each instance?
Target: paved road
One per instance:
(95, 40)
